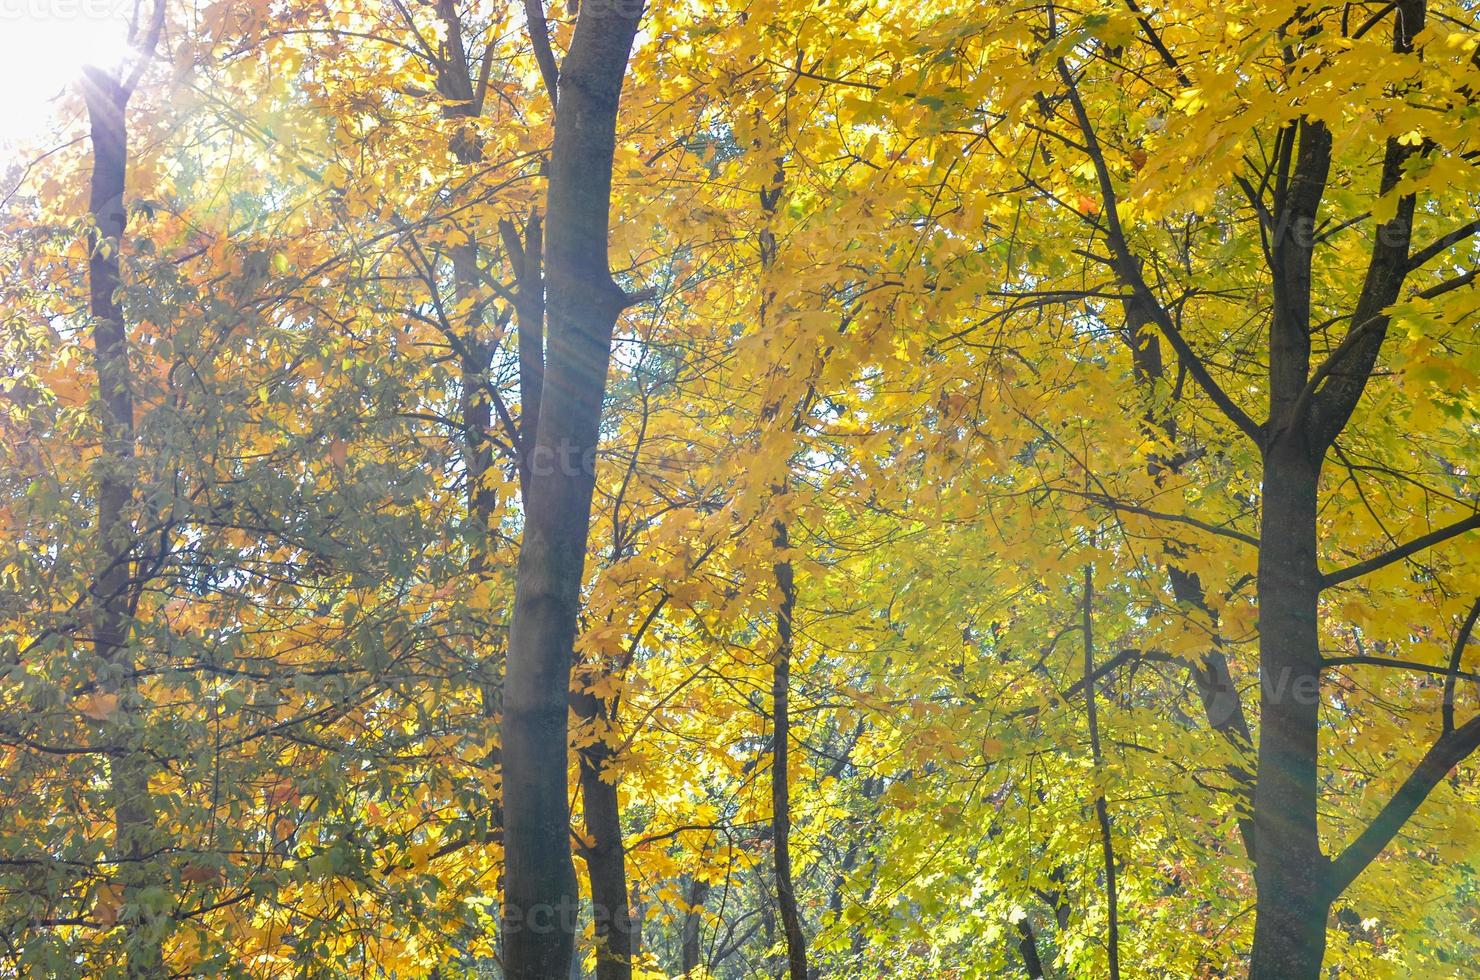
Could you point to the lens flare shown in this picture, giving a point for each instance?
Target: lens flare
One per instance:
(44, 45)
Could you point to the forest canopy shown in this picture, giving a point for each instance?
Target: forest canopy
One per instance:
(740, 488)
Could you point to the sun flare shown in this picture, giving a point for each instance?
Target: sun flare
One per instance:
(44, 45)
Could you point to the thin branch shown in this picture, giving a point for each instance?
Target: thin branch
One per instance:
(144, 49)
(1120, 505)
(1158, 45)
(1448, 285)
(1389, 662)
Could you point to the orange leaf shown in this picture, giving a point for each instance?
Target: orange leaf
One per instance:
(107, 903)
(282, 791)
(98, 707)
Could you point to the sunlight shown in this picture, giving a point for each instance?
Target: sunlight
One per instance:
(43, 46)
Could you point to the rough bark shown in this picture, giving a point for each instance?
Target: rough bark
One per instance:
(1289, 875)
(540, 895)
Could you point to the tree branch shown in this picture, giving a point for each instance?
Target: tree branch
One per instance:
(1456, 656)
(544, 56)
(1371, 661)
(1399, 553)
(1448, 285)
(1120, 505)
(1452, 748)
(1331, 408)
(1436, 248)
(1128, 269)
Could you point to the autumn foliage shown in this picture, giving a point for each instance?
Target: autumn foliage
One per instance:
(1012, 490)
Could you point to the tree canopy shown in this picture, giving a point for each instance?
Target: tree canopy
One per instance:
(736, 488)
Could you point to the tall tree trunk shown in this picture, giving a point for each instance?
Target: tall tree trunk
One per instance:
(1290, 916)
(1290, 913)
(786, 896)
(1292, 876)
(107, 97)
(541, 901)
(605, 855)
(693, 920)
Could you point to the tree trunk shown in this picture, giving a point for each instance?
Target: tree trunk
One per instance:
(1290, 873)
(1028, 950)
(692, 921)
(541, 901)
(113, 589)
(1290, 910)
(786, 896)
(1102, 810)
(1295, 881)
(605, 855)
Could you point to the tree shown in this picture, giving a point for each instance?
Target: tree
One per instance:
(844, 473)
(113, 592)
(582, 305)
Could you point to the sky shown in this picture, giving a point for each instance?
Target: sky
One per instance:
(43, 46)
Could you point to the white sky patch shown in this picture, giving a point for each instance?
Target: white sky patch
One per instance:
(43, 46)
